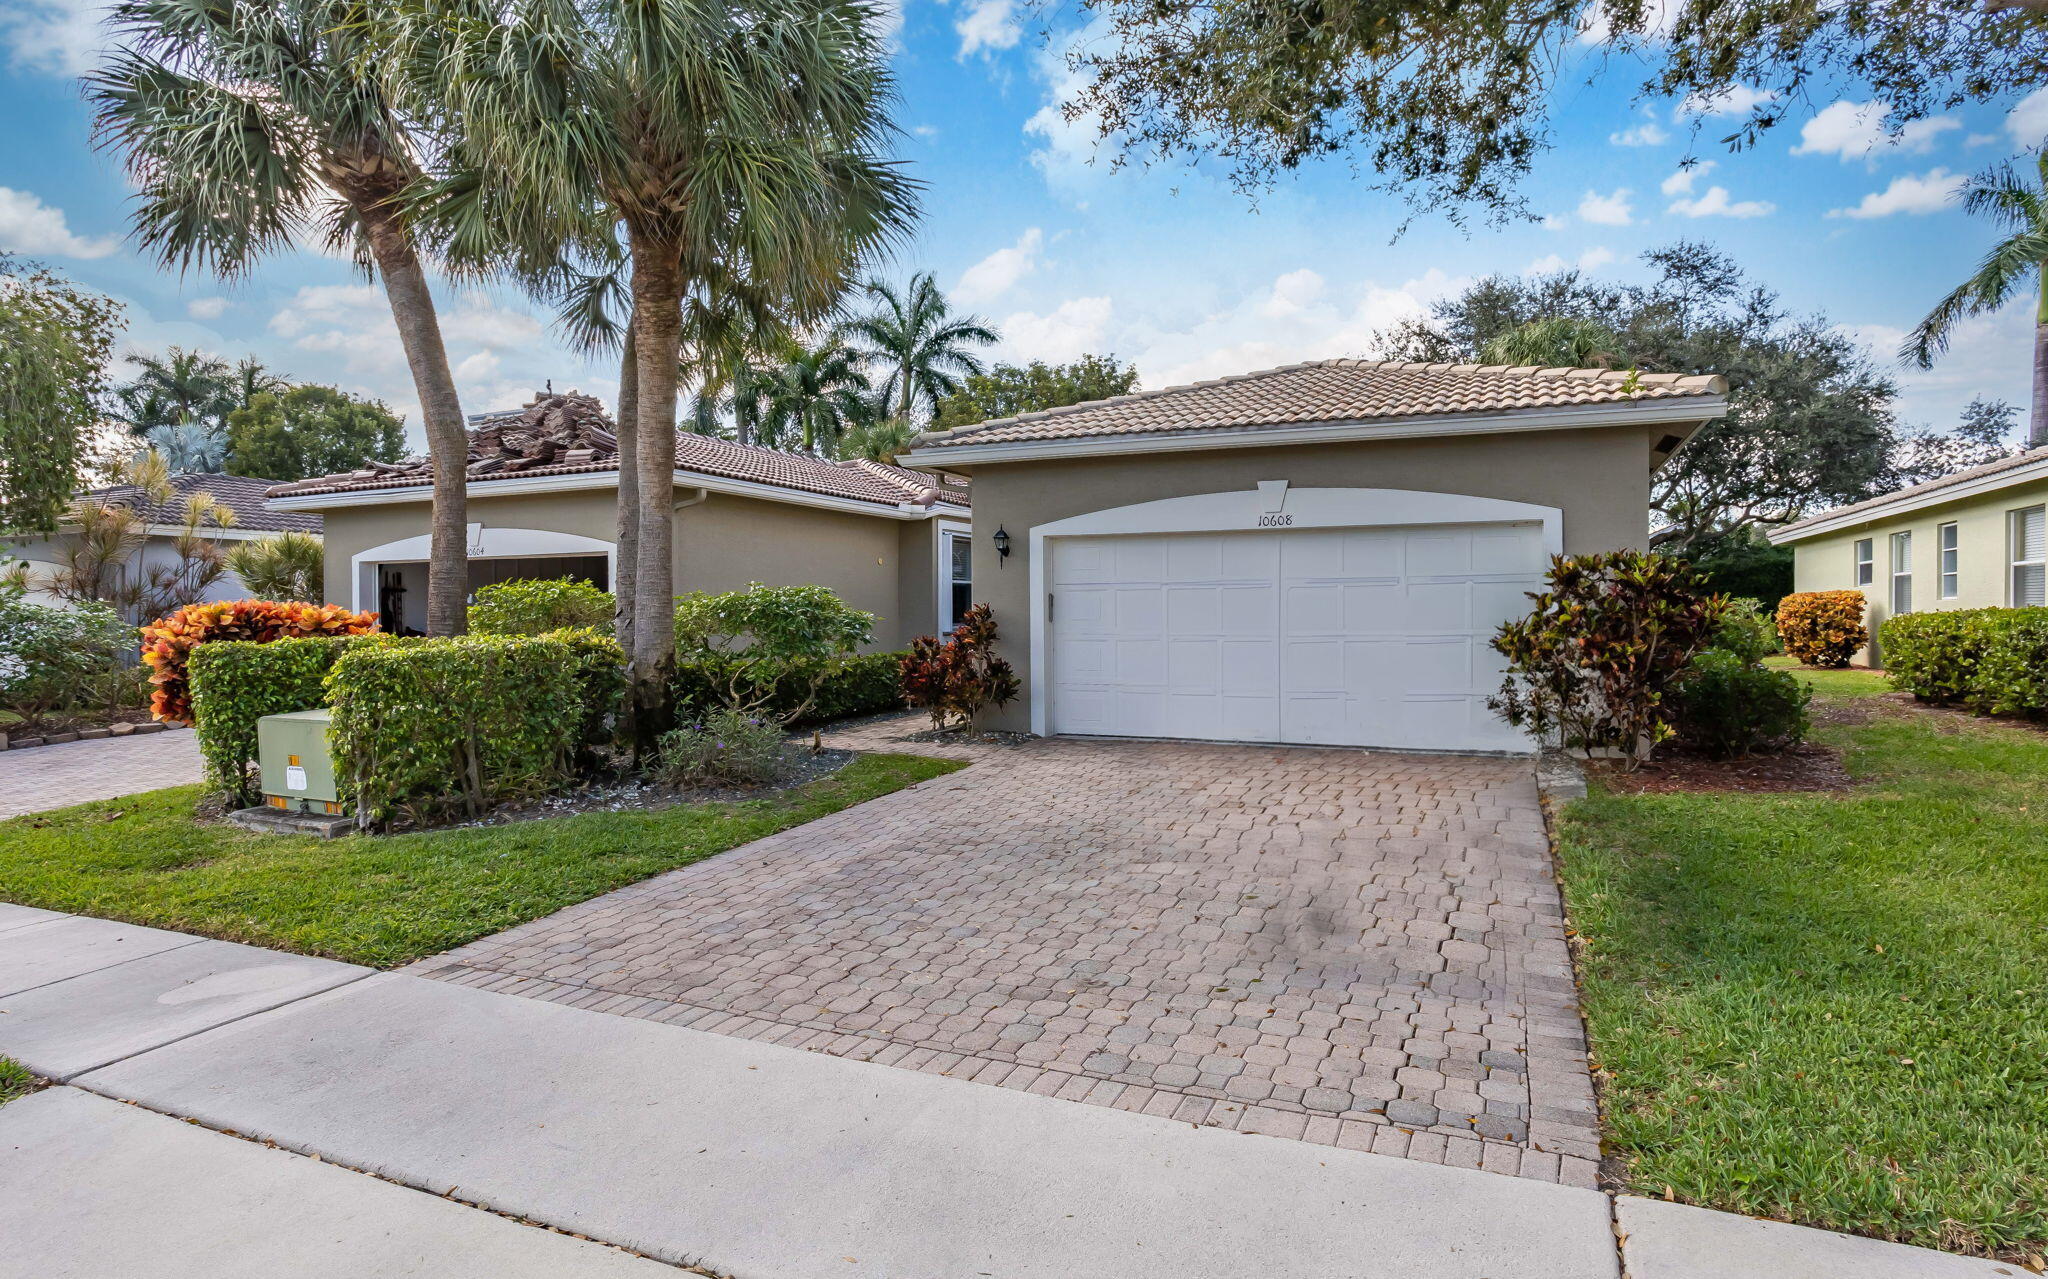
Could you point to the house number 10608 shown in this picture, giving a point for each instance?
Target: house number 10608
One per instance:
(1275, 521)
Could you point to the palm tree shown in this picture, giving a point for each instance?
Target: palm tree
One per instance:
(283, 566)
(738, 145)
(923, 347)
(188, 386)
(1557, 341)
(245, 125)
(250, 379)
(813, 395)
(2016, 263)
(878, 440)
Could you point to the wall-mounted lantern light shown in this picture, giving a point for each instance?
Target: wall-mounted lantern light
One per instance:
(1002, 541)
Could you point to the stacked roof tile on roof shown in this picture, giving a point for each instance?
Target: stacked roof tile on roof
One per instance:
(568, 435)
(240, 493)
(1331, 391)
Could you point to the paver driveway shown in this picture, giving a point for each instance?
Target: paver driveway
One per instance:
(80, 772)
(1342, 946)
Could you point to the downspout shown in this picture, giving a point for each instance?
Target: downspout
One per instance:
(684, 504)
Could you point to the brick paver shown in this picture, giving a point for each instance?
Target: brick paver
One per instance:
(1347, 947)
(80, 772)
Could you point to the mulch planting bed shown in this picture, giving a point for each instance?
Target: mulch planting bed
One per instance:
(1809, 767)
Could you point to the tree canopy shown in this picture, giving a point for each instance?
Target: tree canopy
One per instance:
(308, 431)
(1450, 100)
(55, 342)
(1809, 423)
(1009, 389)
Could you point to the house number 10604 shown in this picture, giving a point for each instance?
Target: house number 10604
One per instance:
(1275, 521)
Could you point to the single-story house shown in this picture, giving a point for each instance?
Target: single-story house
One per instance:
(1315, 554)
(164, 520)
(1975, 539)
(543, 493)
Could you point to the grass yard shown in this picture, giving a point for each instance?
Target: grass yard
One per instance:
(383, 901)
(1829, 1008)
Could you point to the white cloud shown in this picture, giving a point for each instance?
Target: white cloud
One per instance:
(1680, 183)
(1555, 222)
(1989, 355)
(1606, 210)
(1292, 293)
(1065, 150)
(1907, 194)
(59, 37)
(1856, 131)
(1736, 99)
(1716, 204)
(1646, 133)
(1591, 260)
(206, 308)
(1595, 258)
(27, 225)
(988, 25)
(925, 131)
(1597, 28)
(2027, 123)
(993, 276)
(1076, 327)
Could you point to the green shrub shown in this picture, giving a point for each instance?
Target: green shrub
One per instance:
(835, 689)
(1747, 631)
(1725, 705)
(750, 645)
(600, 687)
(58, 658)
(536, 607)
(2012, 677)
(237, 682)
(724, 748)
(1935, 656)
(1823, 628)
(434, 727)
(1591, 666)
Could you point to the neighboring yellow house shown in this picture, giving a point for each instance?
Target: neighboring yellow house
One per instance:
(1975, 539)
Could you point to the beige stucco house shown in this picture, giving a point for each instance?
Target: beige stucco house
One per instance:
(543, 490)
(1315, 554)
(1975, 539)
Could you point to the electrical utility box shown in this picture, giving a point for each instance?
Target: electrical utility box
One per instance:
(296, 766)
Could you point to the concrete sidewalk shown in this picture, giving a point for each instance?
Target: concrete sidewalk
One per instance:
(90, 1188)
(697, 1148)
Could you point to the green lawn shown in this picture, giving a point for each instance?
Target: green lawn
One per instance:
(383, 901)
(1848, 682)
(1829, 1008)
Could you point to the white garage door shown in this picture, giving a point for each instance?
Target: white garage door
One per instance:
(1351, 637)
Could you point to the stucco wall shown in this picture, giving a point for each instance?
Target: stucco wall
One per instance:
(46, 554)
(1983, 563)
(1599, 478)
(721, 543)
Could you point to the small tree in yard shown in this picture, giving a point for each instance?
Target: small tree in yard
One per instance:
(959, 675)
(745, 641)
(1591, 666)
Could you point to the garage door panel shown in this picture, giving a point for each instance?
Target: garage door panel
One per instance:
(1335, 637)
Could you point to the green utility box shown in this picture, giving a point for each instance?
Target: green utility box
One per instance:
(297, 770)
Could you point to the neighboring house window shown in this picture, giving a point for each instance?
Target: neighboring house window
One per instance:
(1949, 558)
(956, 563)
(1902, 573)
(2030, 557)
(1865, 555)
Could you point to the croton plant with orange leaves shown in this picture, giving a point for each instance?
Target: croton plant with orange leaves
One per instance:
(167, 643)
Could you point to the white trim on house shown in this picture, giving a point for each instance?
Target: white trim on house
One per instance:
(1693, 408)
(1268, 505)
(610, 479)
(1821, 525)
(942, 568)
(484, 544)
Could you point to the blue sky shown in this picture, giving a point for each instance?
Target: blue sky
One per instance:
(1169, 267)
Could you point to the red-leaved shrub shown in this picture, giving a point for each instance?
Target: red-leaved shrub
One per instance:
(960, 674)
(167, 643)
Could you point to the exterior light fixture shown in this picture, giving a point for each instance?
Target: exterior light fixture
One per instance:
(1002, 541)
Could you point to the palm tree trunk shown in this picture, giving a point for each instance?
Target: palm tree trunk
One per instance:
(419, 332)
(657, 331)
(626, 555)
(2037, 422)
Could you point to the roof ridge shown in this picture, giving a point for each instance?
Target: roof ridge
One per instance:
(2025, 457)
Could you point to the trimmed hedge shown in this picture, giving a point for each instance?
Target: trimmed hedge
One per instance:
(600, 687)
(1994, 660)
(1823, 628)
(237, 682)
(434, 727)
(538, 606)
(859, 685)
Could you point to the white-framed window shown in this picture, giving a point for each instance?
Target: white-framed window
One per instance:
(956, 576)
(2028, 528)
(1902, 573)
(1951, 557)
(1866, 561)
